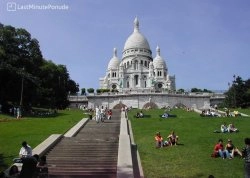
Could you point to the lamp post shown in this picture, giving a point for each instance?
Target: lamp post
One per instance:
(138, 102)
(108, 100)
(77, 85)
(19, 110)
(234, 83)
(21, 95)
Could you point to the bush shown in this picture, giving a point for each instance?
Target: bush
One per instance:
(90, 90)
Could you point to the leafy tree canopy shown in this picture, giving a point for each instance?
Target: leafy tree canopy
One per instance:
(44, 83)
(238, 94)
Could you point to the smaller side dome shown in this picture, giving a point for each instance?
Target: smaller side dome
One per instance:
(158, 61)
(114, 61)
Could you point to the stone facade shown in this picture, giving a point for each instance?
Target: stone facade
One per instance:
(143, 100)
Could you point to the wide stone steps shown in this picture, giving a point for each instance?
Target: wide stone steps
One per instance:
(84, 174)
(92, 153)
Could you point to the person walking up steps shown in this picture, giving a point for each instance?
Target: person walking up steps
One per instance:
(102, 114)
(109, 114)
(97, 114)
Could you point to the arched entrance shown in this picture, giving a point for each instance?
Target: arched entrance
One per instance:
(150, 105)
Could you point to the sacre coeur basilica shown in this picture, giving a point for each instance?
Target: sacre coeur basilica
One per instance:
(137, 70)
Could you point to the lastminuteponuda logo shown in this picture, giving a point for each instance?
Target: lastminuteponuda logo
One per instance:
(13, 6)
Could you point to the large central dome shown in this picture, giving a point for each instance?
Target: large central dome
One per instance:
(136, 39)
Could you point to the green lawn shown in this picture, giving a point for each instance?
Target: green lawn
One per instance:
(192, 158)
(33, 130)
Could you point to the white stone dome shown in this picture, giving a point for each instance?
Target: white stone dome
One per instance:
(158, 60)
(114, 61)
(136, 39)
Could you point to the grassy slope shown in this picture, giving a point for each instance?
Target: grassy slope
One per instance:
(33, 130)
(192, 158)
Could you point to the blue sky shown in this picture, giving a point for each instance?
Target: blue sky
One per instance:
(204, 42)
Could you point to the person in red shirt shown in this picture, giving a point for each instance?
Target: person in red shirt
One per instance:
(109, 114)
(158, 140)
(219, 149)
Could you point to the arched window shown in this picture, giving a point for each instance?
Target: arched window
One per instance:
(136, 65)
(136, 79)
(113, 74)
(127, 84)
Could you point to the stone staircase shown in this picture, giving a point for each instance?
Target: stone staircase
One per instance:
(92, 153)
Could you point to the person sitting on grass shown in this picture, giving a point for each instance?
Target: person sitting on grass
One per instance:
(139, 114)
(231, 150)
(172, 139)
(25, 151)
(224, 128)
(219, 150)
(158, 140)
(236, 114)
(232, 128)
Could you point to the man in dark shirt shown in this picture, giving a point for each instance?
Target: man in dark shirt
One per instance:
(29, 166)
(246, 156)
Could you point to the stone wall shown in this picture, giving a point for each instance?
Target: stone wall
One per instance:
(152, 99)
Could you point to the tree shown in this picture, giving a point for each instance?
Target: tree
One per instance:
(196, 90)
(181, 90)
(90, 90)
(83, 91)
(238, 94)
(22, 66)
(20, 59)
(200, 90)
